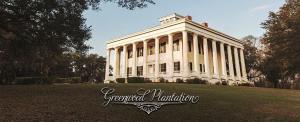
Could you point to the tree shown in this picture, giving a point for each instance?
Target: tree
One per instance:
(252, 57)
(90, 67)
(282, 38)
(34, 34)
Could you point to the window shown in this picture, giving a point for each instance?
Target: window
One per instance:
(162, 48)
(129, 71)
(200, 48)
(139, 52)
(139, 71)
(151, 68)
(191, 66)
(190, 46)
(151, 50)
(176, 45)
(163, 67)
(202, 68)
(129, 54)
(177, 66)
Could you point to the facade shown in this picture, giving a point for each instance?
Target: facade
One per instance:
(177, 48)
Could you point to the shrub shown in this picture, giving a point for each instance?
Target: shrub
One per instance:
(120, 80)
(244, 84)
(224, 82)
(196, 81)
(218, 83)
(34, 80)
(70, 80)
(75, 80)
(111, 81)
(135, 80)
(178, 80)
(162, 80)
(147, 80)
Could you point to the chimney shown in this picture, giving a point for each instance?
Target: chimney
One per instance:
(188, 17)
(205, 24)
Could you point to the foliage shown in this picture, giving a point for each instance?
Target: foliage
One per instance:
(162, 80)
(147, 80)
(135, 80)
(196, 81)
(33, 80)
(178, 80)
(218, 83)
(224, 82)
(36, 35)
(244, 84)
(70, 80)
(120, 80)
(282, 41)
(252, 56)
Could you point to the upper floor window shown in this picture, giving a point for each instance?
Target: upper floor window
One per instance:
(162, 48)
(190, 46)
(129, 53)
(176, 45)
(151, 50)
(139, 52)
(200, 48)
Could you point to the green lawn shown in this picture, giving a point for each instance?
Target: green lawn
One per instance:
(84, 102)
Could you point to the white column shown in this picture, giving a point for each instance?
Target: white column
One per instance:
(107, 64)
(237, 64)
(206, 61)
(170, 61)
(224, 71)
(156, 58)
(134, 60)
(230, 62)
(145, 59)
(215, 59)
(116, 65)
(196, 54)
(125, 60)
(185, 54)
(243, 65)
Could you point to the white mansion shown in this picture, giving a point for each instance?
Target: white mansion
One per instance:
(177, 48)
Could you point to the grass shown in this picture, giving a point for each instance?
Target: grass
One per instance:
(84, 102)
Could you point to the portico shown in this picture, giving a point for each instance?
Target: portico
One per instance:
(178, 48)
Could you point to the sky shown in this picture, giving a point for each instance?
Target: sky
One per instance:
(237, 18)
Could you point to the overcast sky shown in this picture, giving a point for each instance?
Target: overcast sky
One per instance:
(237, 18)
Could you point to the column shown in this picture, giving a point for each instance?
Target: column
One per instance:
(116, 65)
(145, 58)
(206, 61)
(224, 71)
(125, 60)
(156, 58)
(185, 53)
(215, 59)
(196, 54)
(237, 64)
(243, 65)
(134, 60)
(107, 64)
(231, 72)
(170, 61)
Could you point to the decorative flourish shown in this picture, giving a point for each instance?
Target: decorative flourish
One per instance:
(148, 107)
